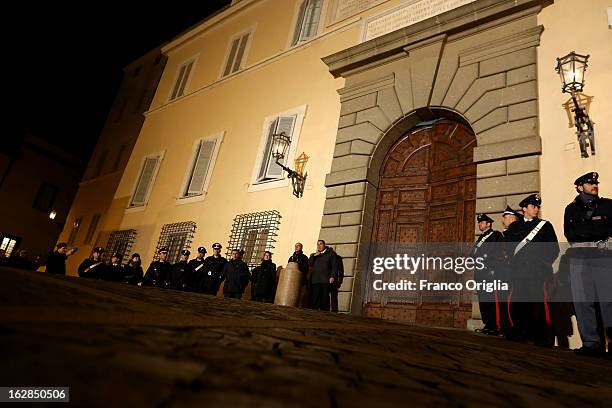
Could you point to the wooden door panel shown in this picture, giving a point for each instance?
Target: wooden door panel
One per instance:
(427, 191)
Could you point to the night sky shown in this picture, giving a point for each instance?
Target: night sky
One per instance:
(69, 60)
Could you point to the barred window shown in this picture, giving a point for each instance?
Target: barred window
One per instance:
(175, 237)
(254, 233)
(120, 241)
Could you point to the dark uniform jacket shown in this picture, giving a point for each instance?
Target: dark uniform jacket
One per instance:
(88, 270)
(534, 261)
(263, 281)
(236, 276)
(197, 274)
(56, 263)
(488, 247)
(180, 276)
(323, 266)
(115, 273)
(588, 221)
(132, 274)
(213, 274)
(302, 260)
(158, 275)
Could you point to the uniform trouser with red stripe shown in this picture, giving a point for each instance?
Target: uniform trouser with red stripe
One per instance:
(529, 311)
(501, 311)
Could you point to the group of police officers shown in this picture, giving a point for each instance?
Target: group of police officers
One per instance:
(201, 274)
(536, 306)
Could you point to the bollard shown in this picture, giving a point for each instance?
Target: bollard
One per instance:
(288, 289)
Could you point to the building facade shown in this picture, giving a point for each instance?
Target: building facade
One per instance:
(85, 223)
(36, 180)
(415, 115)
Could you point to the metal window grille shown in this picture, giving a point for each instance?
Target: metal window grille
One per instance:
(254, 233)
(175, 237)
(120, 241)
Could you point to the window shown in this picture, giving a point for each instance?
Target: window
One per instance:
(45, 198)
(254, 233)
(184, 73)
(267, 172)
(237, 52)
(309, 15)
(92, 228)
(100, 164)
(145, 180)
(175, 237)
(8, 244)
(119, 158)
(120, 241)
(75, 230)
(200, 170)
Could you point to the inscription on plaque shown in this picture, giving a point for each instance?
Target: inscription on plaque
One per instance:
(407, 15)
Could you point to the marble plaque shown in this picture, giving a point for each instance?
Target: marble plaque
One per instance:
(342, 9)
(406, 15)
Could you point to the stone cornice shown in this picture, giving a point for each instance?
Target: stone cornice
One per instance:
(451, 22)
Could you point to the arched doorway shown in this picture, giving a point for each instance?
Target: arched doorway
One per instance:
(426, 194)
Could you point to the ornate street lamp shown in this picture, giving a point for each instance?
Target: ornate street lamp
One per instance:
(571, 69)
(280, 145)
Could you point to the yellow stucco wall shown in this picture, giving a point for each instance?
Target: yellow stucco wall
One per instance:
(238, 107)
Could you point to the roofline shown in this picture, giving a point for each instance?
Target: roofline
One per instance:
(206, 24)
(137, 61)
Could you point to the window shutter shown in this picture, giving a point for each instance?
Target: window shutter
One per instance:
(144, 181)
(300, 23)
(240, 54)
(312, 19)
(267, 152)
(230, 58)
(185, 78)
(236, 55)
(285, 124)
(178, 82)
(200, 167)
(308, 21)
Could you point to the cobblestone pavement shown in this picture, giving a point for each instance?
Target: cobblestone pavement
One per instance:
(119, 345)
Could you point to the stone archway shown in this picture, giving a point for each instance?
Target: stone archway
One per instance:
(476, 65)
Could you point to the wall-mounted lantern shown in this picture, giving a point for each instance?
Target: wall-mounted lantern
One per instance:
(571, 69)
(280, 145)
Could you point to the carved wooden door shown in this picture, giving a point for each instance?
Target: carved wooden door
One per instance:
(426, 195)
